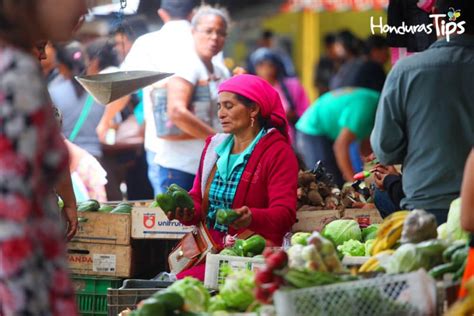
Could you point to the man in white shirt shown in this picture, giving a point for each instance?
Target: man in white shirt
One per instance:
(165, 50)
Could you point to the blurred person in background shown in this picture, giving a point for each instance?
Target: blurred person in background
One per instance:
(327, 65)
(123, 164)
(126, 34)
(81, 113)
(269, 40)
(328, 128)
(180, 156)
(347, 48)
(163, 50)
(34, 278)
(269, 66)
(371, 72)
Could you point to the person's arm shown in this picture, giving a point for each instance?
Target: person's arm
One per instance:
(467, 195)
(180, 92)
(341, 149)
(393, 185)
(277, 219)
(65, 191)
(111, 110)
(388, 139)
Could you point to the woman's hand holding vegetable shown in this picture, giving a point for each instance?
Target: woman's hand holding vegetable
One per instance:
(181, 214)
(245, 218)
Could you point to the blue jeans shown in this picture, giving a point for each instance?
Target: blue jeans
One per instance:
(153, 172)
(384, 204)
(169, 176)
(315, 148)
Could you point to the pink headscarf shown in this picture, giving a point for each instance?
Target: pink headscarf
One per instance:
(262, 93)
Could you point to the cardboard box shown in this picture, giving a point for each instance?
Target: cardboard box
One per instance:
(309, 221)
(103, 228)
(213, 276)
(152, 223)
(141, 259)
(364, 216)
(100, 259)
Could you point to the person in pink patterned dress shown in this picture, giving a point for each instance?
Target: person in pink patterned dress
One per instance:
(33, 158)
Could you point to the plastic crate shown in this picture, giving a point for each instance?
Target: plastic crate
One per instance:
(91, 293)
(131, 293)
(405, 294)
(214, 276)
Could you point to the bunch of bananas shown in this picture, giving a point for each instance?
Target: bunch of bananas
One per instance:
(389, 232)
(373, 264)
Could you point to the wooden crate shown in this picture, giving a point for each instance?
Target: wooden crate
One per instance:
(100, 259)
(152, 223)
(309, 221)
(141, 259)
(104, 228)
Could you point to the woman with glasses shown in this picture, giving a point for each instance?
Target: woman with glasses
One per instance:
(189, 114)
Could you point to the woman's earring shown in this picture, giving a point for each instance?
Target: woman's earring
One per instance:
(252, 121)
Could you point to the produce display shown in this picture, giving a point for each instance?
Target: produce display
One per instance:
(95, 206)
(174, 197)
(465, 306)
(250, 247)
(342, 230)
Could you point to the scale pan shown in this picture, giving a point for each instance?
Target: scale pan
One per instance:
(109, 87)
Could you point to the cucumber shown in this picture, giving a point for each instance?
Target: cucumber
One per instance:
(105, 208)
(88, 206)
(122, 209)
(438, 271)
(460, 256)
(183, 200)
(460, 272)
(448, 253)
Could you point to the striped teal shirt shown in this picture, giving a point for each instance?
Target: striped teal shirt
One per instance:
(227, 177)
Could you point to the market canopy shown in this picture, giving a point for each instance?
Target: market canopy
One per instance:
(336, 5)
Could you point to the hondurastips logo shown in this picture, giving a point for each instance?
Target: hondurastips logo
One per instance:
(442, 29)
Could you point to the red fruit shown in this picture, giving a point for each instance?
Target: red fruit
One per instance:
(278, 280)
(263, 295)
(267, 252)
(264, 276)
(277, 260)
(273, 287)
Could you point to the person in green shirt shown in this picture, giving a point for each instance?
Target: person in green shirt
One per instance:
(328, 128)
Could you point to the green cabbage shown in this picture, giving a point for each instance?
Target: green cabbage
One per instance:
(300, 238)
(368, 247)
(342, 230)
(195, 295)
(370, 232)
(237, 290)
(352, 248)
(453, 225)
(442, 231)
(217, 303)
(411, 257)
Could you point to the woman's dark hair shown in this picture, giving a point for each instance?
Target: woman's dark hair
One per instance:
(349, 41)
(104, 51)
(267, 54)
(73, 57)
(18, 23)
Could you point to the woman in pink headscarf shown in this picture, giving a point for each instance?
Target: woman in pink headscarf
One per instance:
(250, 168)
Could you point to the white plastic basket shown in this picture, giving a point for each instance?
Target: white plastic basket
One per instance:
(405, 294)
(214, 276)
